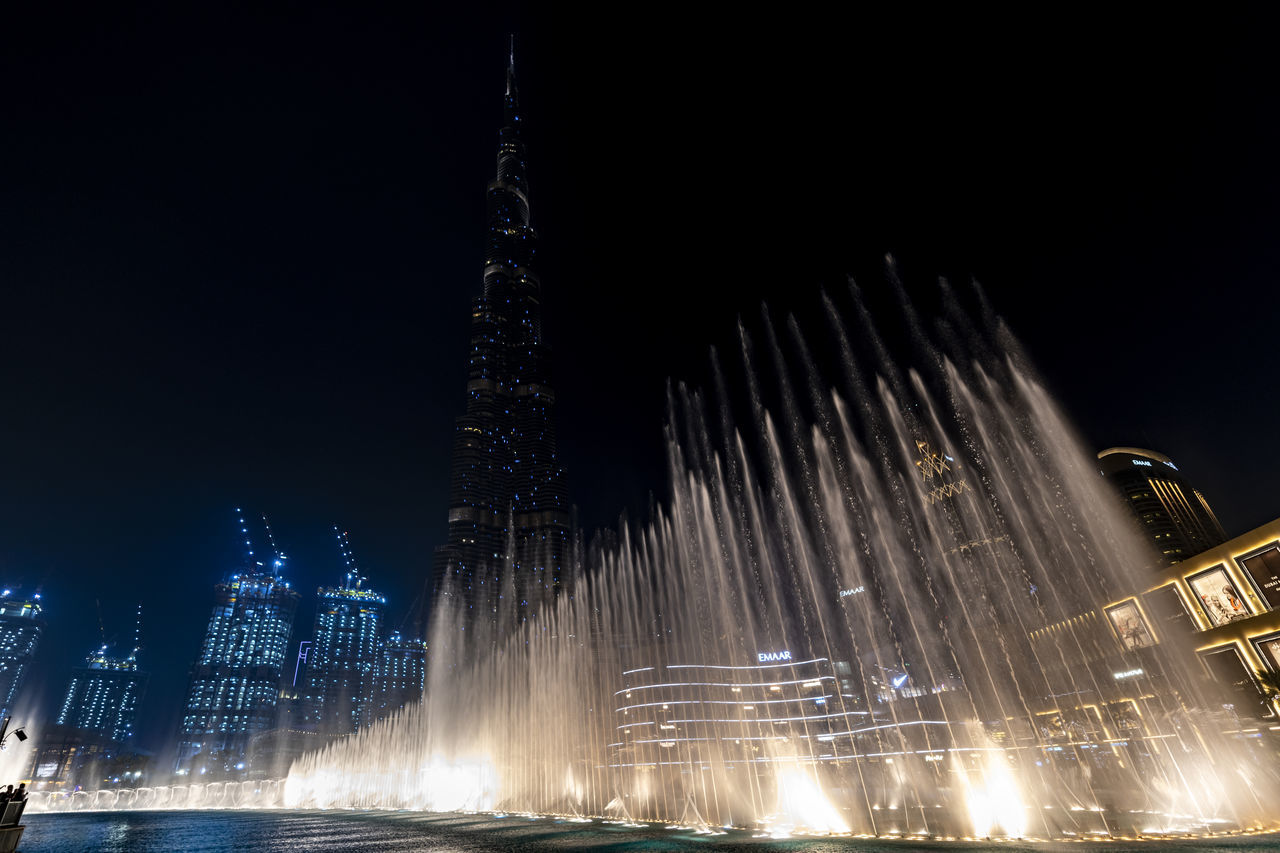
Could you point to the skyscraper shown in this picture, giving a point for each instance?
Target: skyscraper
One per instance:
(235, 680)
(507, 496)
(20, 627)
(1174, 516)
(93, 728)
(401, 675)
(344, 654)
(102, 696)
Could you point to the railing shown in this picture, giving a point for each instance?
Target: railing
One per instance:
(13, 810)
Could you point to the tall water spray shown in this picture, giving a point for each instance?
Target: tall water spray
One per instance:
(876, 609)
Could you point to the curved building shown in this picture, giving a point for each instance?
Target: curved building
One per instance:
(702, 743)
(1174, 516)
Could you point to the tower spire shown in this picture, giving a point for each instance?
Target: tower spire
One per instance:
(512, 100)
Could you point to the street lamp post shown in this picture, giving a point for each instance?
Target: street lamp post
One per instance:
(5, 734)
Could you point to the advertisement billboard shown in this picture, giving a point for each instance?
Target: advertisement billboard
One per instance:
(1269, 648)
(1263, 569)
(1131, 628)
(1168, 611)
(1228, 669)
(1221, 599)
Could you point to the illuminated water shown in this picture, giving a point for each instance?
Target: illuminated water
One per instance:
(300, 832)
(874, 613)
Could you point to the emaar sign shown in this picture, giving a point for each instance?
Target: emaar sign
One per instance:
(769, 657)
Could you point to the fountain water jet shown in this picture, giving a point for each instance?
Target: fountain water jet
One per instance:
(878, 614)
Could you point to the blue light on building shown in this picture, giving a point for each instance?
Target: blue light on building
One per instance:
(338, 689)
(235, 679)
(401, 676)
(20, 629)
(102, 696)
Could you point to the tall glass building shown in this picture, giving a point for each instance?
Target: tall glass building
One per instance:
(1172, 515)
(507, 491)
(338, 692)
(401, 676)
(20, 628)
(94, 725)
(235, 680)
(102, 696)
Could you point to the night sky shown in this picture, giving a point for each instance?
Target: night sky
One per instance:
(237, 249)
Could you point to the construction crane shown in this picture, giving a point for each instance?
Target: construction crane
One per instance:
(344, 548)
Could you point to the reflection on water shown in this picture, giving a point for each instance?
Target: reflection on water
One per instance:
(298, 831)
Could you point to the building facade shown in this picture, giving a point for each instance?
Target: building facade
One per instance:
(236, 678)
(95, 721)
(401, 677)
(507, 488)
(103, 695)
(20, 629)
(702, 714)
(700, 743)
(338, 692)
(1172, 515)
(1228, 599)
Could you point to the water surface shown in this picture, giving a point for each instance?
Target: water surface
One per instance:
(377, 832)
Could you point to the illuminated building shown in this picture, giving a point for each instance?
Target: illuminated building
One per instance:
(780, 708)
(20, 627)
(1228, 599)
(102, 696)
(1171, 514)
(235, 680)
(401, 675)
(1222, 606)
(506, 473)
(95, 719)
(677, 706)
(344, 654)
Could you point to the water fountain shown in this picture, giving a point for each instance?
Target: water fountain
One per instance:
(215, 795)
(877, 615)
(877, 612)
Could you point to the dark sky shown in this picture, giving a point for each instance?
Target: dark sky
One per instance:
(237, 248)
